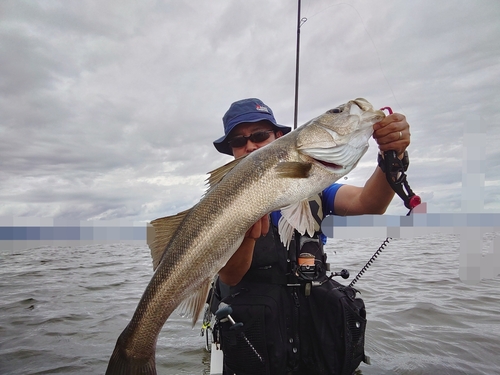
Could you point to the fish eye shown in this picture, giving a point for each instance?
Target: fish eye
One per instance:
(336, 110)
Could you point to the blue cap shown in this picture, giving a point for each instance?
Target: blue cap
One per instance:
(246, 110)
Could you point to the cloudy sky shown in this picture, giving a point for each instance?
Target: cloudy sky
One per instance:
(108, 109)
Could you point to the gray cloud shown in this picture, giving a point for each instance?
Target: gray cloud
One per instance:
(109, 110)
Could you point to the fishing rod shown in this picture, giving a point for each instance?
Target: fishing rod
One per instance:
(300, 22)
(393, 168)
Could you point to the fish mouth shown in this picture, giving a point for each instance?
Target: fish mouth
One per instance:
(329, 165)
(337, 159)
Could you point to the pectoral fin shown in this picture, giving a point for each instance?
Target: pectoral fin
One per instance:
(296, 216)
(293, 169)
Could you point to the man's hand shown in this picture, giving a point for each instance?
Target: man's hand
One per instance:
(259, 229)
(392, 133)
(236, 267)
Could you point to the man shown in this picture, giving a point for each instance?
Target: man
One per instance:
(261, 266)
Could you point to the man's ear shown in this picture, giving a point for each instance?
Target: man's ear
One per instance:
(279, 133)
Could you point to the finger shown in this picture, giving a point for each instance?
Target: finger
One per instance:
(399, 147)
(395, 117)
(255, 231)
(390, 124)
(396, 136)
(395, 129)
(265, 225)
(397, 140)
(260, 228)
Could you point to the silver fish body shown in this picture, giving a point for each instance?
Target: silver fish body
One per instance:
(190, 248)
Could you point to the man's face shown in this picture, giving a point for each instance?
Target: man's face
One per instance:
(246, 129)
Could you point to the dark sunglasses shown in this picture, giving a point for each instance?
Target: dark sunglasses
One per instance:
(257, 137)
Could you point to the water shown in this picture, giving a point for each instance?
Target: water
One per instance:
(62, 309)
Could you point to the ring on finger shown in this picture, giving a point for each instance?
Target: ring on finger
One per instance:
(400, 135)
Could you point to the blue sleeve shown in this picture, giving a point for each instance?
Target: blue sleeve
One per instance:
(329, 198)
(275, 217)
(328, 204)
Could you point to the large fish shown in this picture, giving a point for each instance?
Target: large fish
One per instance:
(189, 248)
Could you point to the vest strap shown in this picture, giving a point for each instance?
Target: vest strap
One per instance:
(268, 275)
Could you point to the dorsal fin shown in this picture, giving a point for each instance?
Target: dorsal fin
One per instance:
(192, 306)
(159, 234)
(218, 174)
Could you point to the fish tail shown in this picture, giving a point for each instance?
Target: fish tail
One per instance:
(122, 364)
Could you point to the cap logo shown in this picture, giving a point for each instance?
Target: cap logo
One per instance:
(261, 108)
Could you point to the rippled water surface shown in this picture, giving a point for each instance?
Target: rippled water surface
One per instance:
(62, 309)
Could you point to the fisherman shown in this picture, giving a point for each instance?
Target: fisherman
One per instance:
(284, 332)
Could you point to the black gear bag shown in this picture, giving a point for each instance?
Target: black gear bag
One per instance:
(332, 329)
(328, 334)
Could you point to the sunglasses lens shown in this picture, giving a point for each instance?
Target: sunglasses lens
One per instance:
(258, 137)
(238, 142)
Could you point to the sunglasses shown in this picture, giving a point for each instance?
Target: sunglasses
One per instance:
(257, 137)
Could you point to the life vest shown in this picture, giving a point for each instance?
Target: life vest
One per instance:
(287, 329)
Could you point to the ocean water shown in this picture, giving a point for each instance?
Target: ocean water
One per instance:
(62, 309)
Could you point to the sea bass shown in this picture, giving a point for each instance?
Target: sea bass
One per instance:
(189, 248)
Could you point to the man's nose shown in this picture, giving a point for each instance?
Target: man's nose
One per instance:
(250, 146)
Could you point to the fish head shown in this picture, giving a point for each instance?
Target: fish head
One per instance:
(338, 139)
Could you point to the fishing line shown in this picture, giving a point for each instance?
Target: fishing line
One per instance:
(300, 23)
(372, 42)
(370, 261)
